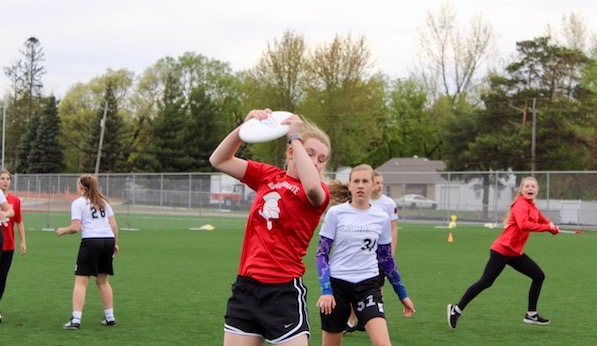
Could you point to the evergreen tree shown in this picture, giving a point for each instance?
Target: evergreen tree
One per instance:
(168, 149)
(25, 104)
(201, 141)
(113, 155)
(27, 142)
(46, 155)
(32, 72)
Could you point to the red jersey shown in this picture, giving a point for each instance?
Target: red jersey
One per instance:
(280, 225)
(8, 231)
(524, 218)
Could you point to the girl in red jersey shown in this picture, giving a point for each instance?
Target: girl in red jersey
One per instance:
(8, 245)
(507, 249)
(268, 300)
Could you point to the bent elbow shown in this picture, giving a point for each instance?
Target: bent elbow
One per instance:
(212, 160)
(215, 161)
(316, 196)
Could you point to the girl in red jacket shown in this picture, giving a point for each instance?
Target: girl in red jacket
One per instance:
(524, 217)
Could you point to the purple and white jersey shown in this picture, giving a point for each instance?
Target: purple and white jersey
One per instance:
(356, 234)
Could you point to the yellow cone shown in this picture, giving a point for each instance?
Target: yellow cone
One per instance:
(450, 238)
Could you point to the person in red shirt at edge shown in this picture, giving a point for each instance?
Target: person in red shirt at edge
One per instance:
(269, 302)
(523, 218)
(7, 247)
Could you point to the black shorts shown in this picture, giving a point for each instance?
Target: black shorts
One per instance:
(95, 257)
(381, 278)
(364, 297)
(275, 312)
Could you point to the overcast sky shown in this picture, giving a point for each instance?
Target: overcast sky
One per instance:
(83, 38)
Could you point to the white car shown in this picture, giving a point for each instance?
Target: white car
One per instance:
(415, 201)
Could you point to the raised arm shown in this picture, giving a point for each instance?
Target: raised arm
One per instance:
(306, 163)
(223, 158)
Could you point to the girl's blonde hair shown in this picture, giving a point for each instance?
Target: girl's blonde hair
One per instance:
(310, 130)
(518, 194)
(91, 190)
(339, 191)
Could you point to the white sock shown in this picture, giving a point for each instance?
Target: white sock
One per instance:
(77, 315)
(109, 314)
(457, 309)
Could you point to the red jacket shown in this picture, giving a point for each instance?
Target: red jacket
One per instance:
(524, 218)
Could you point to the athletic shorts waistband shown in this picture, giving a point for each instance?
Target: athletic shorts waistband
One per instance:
(248, 280)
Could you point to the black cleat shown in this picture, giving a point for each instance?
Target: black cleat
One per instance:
(107, 323)
(70, 325)
(453, 316)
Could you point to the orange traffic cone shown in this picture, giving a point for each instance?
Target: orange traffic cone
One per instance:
(450, 238)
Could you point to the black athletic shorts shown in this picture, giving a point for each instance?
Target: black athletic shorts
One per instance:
(95, 257)
(381, 278)
(364, 296)
(275, 312)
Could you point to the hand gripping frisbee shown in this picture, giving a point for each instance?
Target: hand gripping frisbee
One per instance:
(264, 130)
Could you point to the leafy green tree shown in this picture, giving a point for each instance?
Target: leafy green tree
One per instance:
(546, 80)
(77, 115)
(410, 129)
(277, 82)
(46, 155)
(80, 110)
(538, 92)
(587, 94)
(345, 99)
(547, 75)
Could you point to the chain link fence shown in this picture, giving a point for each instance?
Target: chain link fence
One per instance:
(565, 197)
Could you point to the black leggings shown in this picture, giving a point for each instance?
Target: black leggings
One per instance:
(497, 262)
(5, 262)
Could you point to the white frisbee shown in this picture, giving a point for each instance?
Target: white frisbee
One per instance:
(264, 130)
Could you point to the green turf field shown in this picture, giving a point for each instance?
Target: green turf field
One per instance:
(172, 283)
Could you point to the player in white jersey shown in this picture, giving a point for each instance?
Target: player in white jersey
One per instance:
(361, 239)
(378, 199)
(93, 216)
(385, 203)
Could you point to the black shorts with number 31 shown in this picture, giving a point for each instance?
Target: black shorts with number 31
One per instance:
(364, 296)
